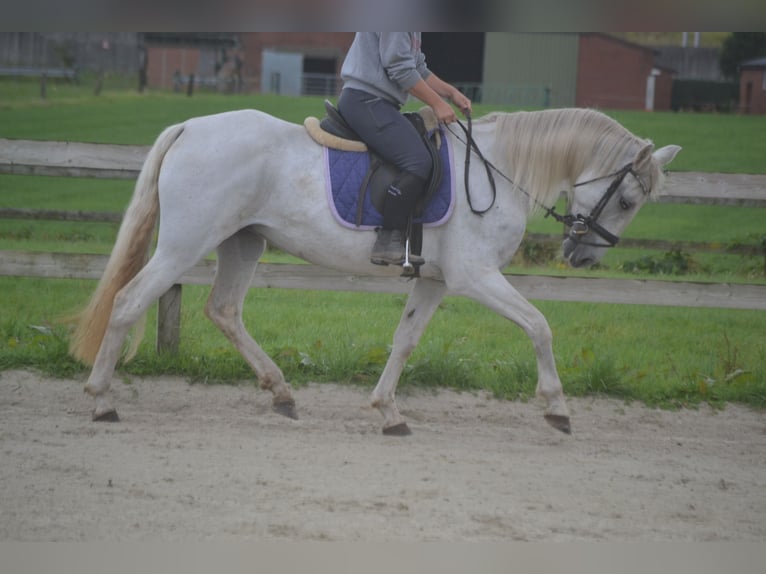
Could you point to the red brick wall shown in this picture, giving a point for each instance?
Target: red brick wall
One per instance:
(163, 62)
(612, 74)
(755, 94)
(663, 90)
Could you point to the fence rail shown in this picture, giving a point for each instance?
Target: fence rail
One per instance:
(113, 161)
(74, 159)
(36, 72)
(124, 162)
(313, 277)
(550, 238)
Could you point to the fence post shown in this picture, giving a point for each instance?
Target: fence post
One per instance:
(169, 321)
(763, 245)
(99, 82)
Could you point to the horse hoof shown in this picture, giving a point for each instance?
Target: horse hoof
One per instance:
(559, 422)
(107, 417)
(397, 430)
(286, 409)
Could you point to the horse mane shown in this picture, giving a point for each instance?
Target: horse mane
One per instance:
(550, 148)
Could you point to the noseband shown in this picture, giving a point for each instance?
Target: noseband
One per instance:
(580, 225)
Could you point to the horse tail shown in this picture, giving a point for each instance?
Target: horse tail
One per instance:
(129, 255)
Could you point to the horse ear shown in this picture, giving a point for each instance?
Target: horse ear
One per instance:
(643, 157)
(665, 155)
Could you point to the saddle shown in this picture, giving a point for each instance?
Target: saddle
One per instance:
(333, 131)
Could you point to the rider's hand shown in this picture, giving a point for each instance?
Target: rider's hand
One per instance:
(461, 101)
(444, 112)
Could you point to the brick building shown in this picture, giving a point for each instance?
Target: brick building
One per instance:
(170, 57)
(314, 55)
(283, 62)
(586, 70)
(614, 74)
(529, 70)
(561, 69)
(752, 86)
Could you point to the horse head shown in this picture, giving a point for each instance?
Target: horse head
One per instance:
(603, 205)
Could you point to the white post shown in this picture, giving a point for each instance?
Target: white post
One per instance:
(650, 80)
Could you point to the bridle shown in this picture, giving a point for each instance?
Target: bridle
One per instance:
(579, 225)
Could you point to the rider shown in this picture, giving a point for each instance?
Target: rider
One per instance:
(380, 71)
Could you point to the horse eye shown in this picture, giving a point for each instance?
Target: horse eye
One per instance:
(625, 204)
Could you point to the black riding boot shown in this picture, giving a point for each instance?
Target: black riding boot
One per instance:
(401, 198)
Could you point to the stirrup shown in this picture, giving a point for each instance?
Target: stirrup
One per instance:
(408, 268)
(412, 263)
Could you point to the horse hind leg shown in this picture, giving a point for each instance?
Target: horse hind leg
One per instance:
(130, 305)
(237, 260)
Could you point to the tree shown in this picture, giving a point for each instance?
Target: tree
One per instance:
(739, 47)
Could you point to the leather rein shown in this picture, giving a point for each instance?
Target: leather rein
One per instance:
(579, 225)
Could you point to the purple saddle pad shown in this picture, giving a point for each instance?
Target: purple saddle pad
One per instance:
(344, 172)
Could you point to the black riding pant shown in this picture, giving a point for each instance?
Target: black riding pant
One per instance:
(386, 131)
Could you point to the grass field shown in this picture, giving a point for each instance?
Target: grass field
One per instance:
(663, 356)
(712, 142)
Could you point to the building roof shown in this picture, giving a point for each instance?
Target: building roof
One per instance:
(196, 39)
(617, 40)
(756, 63)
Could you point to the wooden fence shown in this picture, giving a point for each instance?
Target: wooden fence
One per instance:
(124, 162)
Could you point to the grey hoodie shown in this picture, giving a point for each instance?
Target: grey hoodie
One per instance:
(385, 64)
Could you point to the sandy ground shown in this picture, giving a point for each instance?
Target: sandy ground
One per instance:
(215, 463)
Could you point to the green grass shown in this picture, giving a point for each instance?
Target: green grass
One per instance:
(712, 142)
(687, 356)
(131, 118)
(663, 356)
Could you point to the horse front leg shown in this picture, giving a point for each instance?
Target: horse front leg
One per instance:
(423, 301)
(493, 290)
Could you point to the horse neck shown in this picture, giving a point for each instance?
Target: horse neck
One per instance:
(550, 149)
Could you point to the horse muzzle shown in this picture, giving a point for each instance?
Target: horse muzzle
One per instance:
(571, 250)
(579, 254)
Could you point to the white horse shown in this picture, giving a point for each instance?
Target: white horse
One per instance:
(233, 181)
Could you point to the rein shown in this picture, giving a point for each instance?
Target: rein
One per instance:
(471, 145)
(579, 224)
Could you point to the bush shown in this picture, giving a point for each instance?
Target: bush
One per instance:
(534, 252)
(674, 262)
(704, 96)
